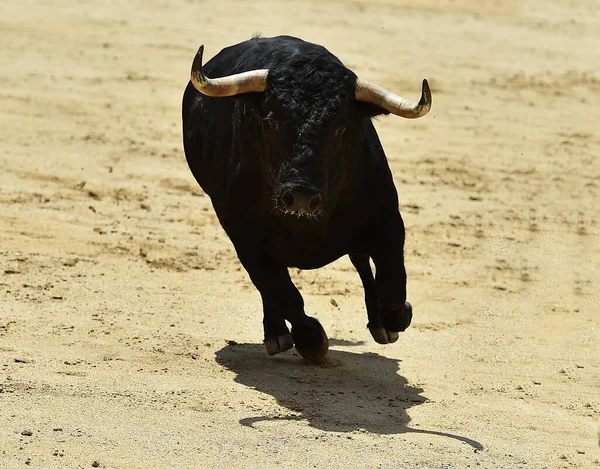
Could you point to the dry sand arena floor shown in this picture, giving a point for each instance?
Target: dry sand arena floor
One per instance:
(130, 337)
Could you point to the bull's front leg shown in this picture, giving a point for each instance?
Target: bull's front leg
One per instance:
(395, 313)
(282, 301)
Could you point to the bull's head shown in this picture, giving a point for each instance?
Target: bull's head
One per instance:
(315, 127)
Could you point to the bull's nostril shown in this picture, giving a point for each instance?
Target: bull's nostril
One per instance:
(315, 203)
(287, 199)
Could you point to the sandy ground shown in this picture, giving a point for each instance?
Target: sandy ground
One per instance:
(130, 337)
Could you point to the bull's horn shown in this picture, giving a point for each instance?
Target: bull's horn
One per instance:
(254, 81)
(371, 93)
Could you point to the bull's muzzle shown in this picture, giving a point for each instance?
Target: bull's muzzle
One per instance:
(301, 201)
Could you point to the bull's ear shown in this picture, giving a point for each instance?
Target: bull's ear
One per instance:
(369, 109)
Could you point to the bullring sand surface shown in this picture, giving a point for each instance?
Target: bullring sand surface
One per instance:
(130, 336)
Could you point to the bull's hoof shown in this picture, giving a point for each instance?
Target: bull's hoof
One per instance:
(393, 321)
(275, 345)
(311, 341)
(397, 320)
(383, 336)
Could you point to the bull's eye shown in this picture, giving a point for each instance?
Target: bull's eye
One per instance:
(273, 123)
(340, 130)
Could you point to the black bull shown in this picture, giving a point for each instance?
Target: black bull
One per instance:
(280, 137)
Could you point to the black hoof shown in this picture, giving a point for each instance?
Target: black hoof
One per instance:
(275, 345)
(383, 336)
(311, 341)
(397, 320)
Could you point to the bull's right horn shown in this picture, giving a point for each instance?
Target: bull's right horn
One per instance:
(254, 81)
(371, 93)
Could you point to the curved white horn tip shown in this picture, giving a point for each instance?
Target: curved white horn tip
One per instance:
(197, 73)
(426, 93)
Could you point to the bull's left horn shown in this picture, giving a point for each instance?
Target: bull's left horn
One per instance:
(371, 93)
(254, 81)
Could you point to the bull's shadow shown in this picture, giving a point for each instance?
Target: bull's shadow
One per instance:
(364, 390)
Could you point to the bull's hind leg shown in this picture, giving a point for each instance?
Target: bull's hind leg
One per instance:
(282, 301)
(394, 312)
(363, 266)
(277, 335)
(362, 263)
